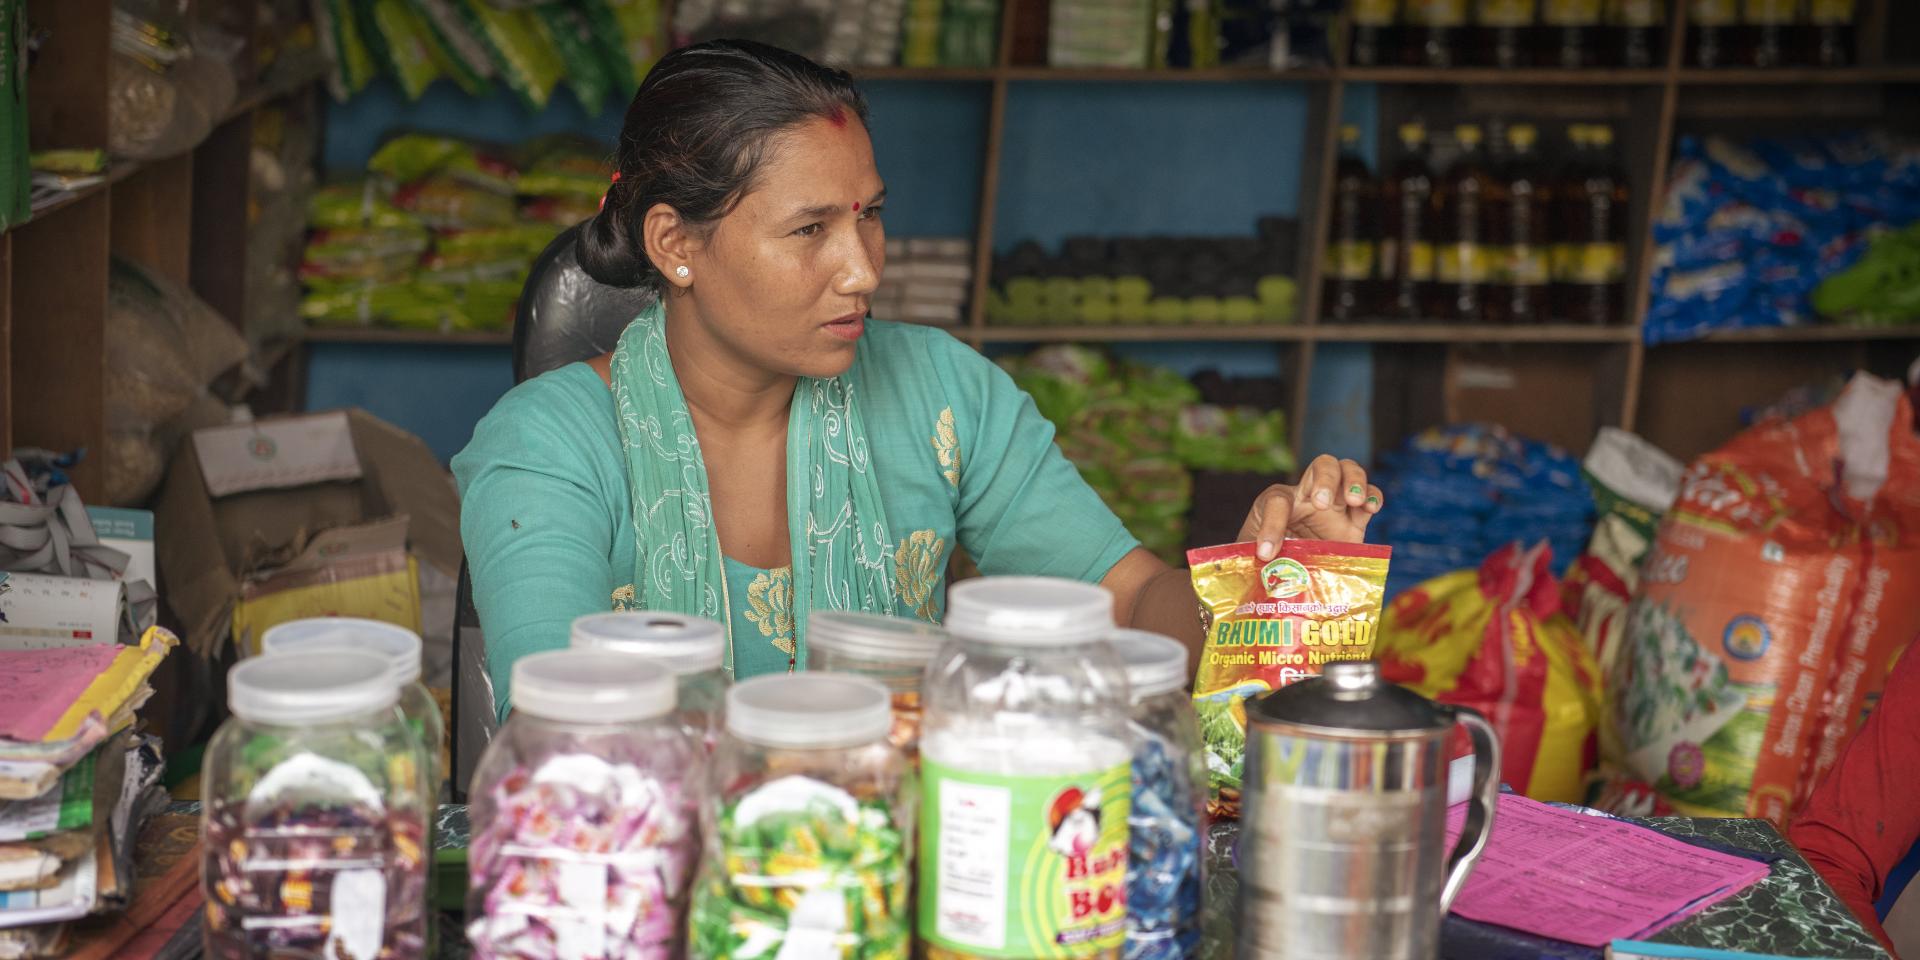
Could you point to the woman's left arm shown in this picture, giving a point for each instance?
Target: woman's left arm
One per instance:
(1332, 501)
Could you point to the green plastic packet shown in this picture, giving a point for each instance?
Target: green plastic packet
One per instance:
(570, 34)
(356, 204)
(632, 36)
(401, 41)
(350, 63)
(463, 57)
(523, 55)
(410, 156)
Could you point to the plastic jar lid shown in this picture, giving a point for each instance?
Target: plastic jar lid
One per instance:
(809, 710)
(685, 644)
(592, 686)
(1029, 611)
(311, 686)
(398, 644)
(870, 636)
(1156, 663)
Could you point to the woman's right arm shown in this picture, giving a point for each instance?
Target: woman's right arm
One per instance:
(536, 524)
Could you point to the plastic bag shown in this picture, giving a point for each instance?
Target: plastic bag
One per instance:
(349, 60)
(410, 157)
(1271, 624)
(523, 54)
(570, 35)
(403, 44)
(445, 203)
(1494, 639)
(357, 205)
(163, 95)
(462, 56)
(362, 254)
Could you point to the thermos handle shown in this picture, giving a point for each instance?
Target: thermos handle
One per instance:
(1480, 805)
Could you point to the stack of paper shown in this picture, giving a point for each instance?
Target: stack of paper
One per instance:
(75, 781)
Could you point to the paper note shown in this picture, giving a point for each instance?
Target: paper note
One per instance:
(1589, 880)
(37, 686)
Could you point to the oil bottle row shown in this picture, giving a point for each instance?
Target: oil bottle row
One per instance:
(1598, 33)
(1496, 237)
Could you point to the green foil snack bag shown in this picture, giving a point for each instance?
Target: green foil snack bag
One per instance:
(1270, 624)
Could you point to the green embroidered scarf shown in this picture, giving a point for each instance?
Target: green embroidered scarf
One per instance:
(842, 555)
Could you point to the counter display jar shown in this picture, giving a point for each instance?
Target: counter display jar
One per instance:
(809, 826)
(893, 650)
(1166, 826)
(693, 648)
(400, 646)
(1025, 765)
(314, 827)
(585, 814)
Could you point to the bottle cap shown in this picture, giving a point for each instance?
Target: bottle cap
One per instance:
(399, 645)
(592, 686)
(685, 644)
(1349, 134)
(870, 636)
(1155, 663)
(1413, 134)
(1522, 136)
(311, 686)
(809, 710)
(1029, 611)
(1468, 134)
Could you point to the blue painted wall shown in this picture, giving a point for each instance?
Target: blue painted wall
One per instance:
(1177, 158)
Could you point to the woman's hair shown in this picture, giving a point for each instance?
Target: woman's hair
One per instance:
(694, 138)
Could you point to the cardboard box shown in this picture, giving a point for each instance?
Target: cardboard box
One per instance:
(359, 571)
(294, 491)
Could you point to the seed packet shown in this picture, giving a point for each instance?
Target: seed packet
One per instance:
(1270, 624)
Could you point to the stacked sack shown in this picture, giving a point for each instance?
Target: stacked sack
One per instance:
(1769, 613)
(442, 233)
(1460, 493)
(1748, 232)
(1136, 432)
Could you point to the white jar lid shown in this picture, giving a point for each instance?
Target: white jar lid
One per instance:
(1029, 611)
(871, 636)
(399, 645)
(1155, 662)
(592, 686)
(816, 709)
(685, 644)
(310, 686)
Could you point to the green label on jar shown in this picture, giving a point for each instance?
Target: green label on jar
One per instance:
(1024, 866)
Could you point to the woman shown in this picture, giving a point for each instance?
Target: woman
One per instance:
(755, 448)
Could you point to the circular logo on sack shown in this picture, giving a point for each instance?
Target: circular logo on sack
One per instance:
(1746, 638)
(262, 447)
(1283, 578)
(1686, 765)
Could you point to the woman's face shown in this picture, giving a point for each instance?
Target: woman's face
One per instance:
(785, 279)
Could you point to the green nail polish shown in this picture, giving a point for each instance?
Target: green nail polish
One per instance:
(1356, 488)
(1374, 500)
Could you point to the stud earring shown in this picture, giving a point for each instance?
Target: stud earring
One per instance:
(682, 272)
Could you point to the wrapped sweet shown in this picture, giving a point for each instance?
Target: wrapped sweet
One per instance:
(585, 814)
(315, 823)
(1166, 824)
(808, 840)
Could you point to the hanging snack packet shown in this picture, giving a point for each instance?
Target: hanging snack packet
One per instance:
(1270, 624)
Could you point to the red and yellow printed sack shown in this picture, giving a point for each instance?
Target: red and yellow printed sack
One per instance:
(1495, 639)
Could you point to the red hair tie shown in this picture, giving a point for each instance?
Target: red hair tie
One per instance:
(603, 197)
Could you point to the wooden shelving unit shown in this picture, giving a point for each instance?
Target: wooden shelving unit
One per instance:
(184, 216)
(1556, 382)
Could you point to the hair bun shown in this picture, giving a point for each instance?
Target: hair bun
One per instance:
(607, 254)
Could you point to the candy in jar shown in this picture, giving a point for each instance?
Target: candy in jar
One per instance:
(892, 650)
(1024, 760)
(400, 646)
(809, 828)
(314, 826)
(693, 648)
(1167, 824)
(585, 814)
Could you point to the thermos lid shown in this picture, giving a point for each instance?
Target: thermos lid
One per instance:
(1349, 696)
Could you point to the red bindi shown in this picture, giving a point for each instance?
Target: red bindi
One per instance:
(837, 117)
(856, 206)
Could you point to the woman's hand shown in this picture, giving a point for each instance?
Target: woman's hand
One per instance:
(1332, 501)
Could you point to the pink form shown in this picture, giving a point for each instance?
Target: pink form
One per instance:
(37, 686)
(1587, 879)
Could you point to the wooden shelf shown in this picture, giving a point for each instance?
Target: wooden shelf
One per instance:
(1129, 75)
(467, 338)
(930, 74)
(1492, 76)
(1165, 333)
(1800, 77)
(1809, 334)
(1445, 333)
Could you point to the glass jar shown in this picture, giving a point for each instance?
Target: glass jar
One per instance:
(691, 647)
(314, 824)
(402, 648)
(1024, 760)
(1167, 823)
(809, 825)
(892, 650)
(585, 813)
